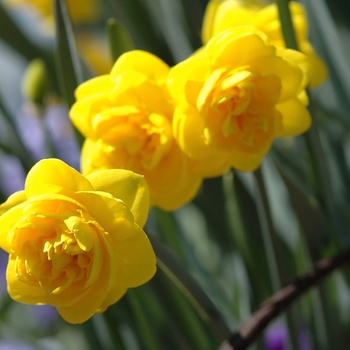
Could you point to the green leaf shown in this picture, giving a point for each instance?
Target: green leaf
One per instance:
(119, 39)
(291, 163)
(199, 300)
(68, 62)
(145, 327)
(169, 231)
(329, 38)
(181, 312)
(245, 232)
(16, 146)
(139, 22)
(13, 36)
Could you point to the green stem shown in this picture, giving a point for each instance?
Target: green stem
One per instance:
(236, 225)
(287, 24)
(267, 229)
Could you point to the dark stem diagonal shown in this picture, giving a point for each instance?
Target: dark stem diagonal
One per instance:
(280, 301)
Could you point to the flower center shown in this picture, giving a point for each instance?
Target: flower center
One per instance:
(56, 249)
(239, 111)
(145, 137)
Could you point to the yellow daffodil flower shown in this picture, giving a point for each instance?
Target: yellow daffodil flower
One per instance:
(224, 14)
(234, 96)
(76, 242)
(86, 11)
(126, 117)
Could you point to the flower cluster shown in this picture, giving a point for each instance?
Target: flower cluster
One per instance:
(220, 108)
(153, 133)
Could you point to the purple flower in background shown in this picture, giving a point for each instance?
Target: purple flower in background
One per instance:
(44, 315)
(11, 175)
(32, 129)
(31, 133)
(62, 135)
(276, 337)
(304, 339)
(60, 131)
(14, 345)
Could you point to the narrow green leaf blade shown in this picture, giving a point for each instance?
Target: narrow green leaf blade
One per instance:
(68, 62)
(67, 59)
(119, 39)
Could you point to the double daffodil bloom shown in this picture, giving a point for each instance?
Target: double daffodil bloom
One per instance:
(234, 97)
(76, 242)
(224, 14)
(126, 117)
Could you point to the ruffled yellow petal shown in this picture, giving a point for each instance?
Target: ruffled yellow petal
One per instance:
(296, 58)
(246, 162)
(86, 307)
(15, 199)
(222, 49)
(318, 69)
(290, 75)
(7, 220)
(84, 111)
(98, 85)
(176, 170)
(143, 62)
(20, 291)
(115, 293)
(184, 73)
(111, 213)
(188, 129)
(131, 188)
(54, 176)
(137, 262)
(296, 118)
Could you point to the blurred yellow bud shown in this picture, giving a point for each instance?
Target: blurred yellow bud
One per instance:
(35, 83)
